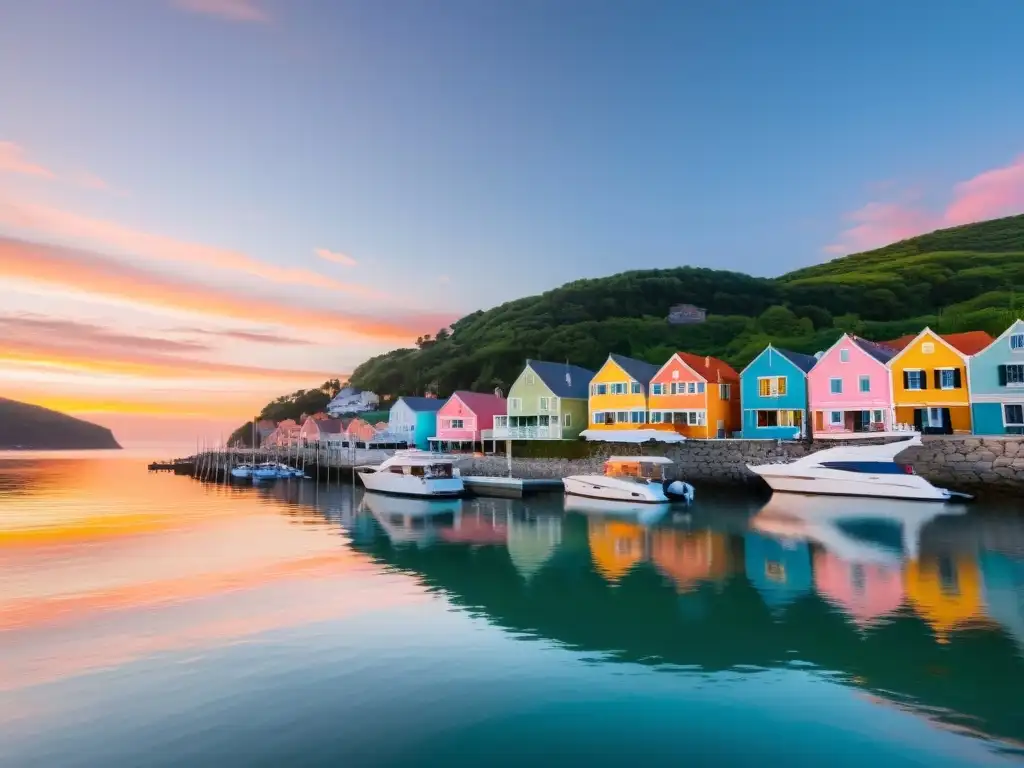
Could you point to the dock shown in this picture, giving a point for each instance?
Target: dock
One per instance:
(509, 487)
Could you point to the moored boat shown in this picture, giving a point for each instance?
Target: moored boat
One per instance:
(633, 479)
(413, 473)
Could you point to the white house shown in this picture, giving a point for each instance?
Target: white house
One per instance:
(352, 400)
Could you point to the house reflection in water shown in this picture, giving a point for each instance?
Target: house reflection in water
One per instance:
(689, 558)
(946, 592)
(779, 570)
(864, 591)
(1004, 592)
(615, 546)
(532, 542)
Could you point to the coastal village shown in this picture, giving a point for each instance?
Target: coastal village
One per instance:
(946, 384)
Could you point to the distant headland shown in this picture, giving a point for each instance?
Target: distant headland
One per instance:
(33, 428)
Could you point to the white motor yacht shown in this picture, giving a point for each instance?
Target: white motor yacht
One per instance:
(854, 470)
(413, 473)
(633, 479)
(412, 521)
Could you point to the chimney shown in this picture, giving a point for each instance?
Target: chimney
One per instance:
(568, 378)
(707, 361)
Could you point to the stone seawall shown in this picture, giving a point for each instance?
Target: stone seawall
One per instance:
(983, 466)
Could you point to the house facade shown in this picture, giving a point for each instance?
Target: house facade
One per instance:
(318, 431)
(548, 401)
(359, 431)
(352, 400)
(774, 394)
(414, 420)
(929, 381)
(618, 394)
(696, 396)
(467, 418)
(997, 385)
(849, 388)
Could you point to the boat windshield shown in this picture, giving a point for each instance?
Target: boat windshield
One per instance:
(432, 471)
(640, 472)
(870, 467)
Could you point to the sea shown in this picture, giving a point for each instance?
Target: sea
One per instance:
(156, 620)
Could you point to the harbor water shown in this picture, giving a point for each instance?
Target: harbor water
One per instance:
(155, 620)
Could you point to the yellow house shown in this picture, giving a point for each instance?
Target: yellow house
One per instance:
(618, 394)
(946, 592)
(929, 380)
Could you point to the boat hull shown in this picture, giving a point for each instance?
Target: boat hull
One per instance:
(610, 489)
(411, 485)
(826, 483)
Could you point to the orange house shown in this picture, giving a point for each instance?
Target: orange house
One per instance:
(696, 396)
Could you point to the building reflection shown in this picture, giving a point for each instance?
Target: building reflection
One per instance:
(690, 558)
(615, 546)
(866, 592)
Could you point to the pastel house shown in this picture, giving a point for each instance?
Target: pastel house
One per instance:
(695, 395)
(618, 394)
(773, 391)
(929, 380)
(849, 388)
(467, 418)
(414, 420)
(548, 401)
(997, 385)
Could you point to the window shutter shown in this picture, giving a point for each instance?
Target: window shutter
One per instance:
(906, 379)
(947, 422)
(924, 380)
(937, 378)
(918, 420)
(1002, 375)
(957, 379)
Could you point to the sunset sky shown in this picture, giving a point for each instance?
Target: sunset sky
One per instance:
(207, 203)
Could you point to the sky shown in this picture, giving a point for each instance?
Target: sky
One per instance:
(208, 203)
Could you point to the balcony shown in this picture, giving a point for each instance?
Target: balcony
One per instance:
(528, 433)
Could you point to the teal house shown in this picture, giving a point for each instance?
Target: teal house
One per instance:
(773, 395)
(996, 384)
(414, 420)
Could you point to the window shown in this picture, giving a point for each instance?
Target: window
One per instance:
(515, 404)
(877, 417)
(928, 348)
(1013, 415)
(602, 389)
(618, 388)
(531, 379)
(622, 417)
(673, 388)
(1011, 375)
(724, 391)
(931, 417)
(543, 403)
(836, 417)
(637, 417)
(865, 383)
(836, 386)
(598, 417)
(675, 374)
(914, 379)
(700, 387)
(767, 418)
(657, 389)
(455, 424)
(554, 403)
(868, 467)
(1017, 342)
(655, 417)
(947, 378)
(635, 388)
(500, 422)
(691, 388)
(771, 386)
(844, 355)
(566, 419)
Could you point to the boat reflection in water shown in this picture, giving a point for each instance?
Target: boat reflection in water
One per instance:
(409, 520)
(919, 605)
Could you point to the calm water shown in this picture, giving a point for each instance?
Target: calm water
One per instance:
(154, 620)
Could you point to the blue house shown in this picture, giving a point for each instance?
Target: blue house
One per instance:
(996, 384)
(781, 572)
(773, 394)
(414, 419)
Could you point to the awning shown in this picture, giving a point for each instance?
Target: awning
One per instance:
(632, 435)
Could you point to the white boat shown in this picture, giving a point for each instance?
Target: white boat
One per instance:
(242, 471)
(412, 521)
(854, 470)
(413, 473)
(633, 479)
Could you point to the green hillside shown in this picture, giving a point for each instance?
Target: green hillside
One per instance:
(31, 427)
(969, 277)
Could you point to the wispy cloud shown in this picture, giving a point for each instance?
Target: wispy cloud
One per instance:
(82, 272)
(258, 337)
(68, 225)
(36, 328)
(991, 194)
(13, 159)
(336, 256)
(247, 11)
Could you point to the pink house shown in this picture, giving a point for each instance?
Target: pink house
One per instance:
(467, 418)
(864, 591)
(849, 388)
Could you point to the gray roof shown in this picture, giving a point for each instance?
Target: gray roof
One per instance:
(424, 404)
(554, 377)
(800, 360)
(638, 369)
(877, 351)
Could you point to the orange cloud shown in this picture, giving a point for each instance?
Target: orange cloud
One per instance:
(991, 194)
(53, 222)
(13, 160)
(336, 256)
(80, 271)
(232, 10)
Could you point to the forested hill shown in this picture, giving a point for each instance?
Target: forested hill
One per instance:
(31, 427)
(969, 277)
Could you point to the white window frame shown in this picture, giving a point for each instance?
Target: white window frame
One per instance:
(774, 390)
(700, 387)
(861, 380)
(952, 378)
(675, 374)
(1016, 342)
(655, 417)
(931, 417)
(657, 389)
(622, 417)
(543, 403)
(844, 355)
(461, 423)
(501, 422)
(515, 404)
(1019, 380)
(877, 416)
(597, 417)
(928, 348)
(531, 379)
(724, 391)
(691, 387)
(1013, 423)
(635, 388)
(640, 414)
(832, 386)
(910, 372)
(833, 421)
(566, 419)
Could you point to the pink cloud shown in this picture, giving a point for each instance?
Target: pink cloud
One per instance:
(989, 195)
(336, 256)
(13, 160)
(233, 10)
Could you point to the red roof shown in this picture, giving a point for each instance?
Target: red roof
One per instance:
(330, 426)
(481, 404)
(711, 368)
(968, 343)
